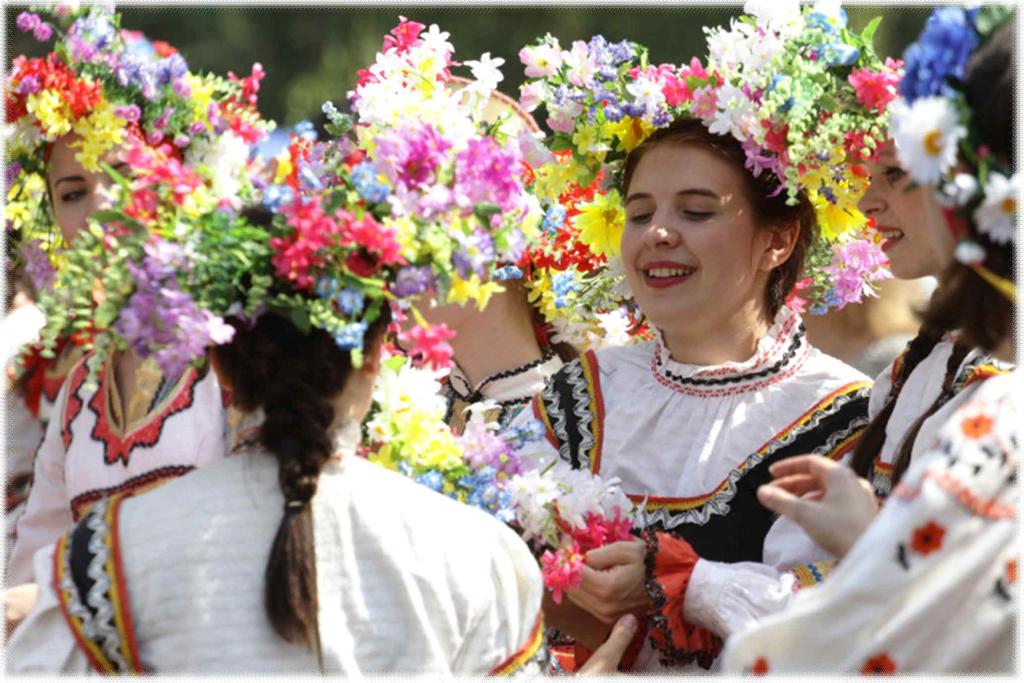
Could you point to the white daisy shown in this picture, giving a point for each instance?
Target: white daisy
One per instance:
(926, 135)
(486, 71)
(969, 253)
(997, 215)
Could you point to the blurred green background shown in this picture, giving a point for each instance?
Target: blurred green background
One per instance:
(311, 54)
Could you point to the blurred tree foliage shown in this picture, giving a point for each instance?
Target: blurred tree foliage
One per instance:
(312, 53)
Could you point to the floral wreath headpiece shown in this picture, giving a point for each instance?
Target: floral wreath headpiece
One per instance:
(937, 143)
(806, 97)
(455, 177)
(107, 85)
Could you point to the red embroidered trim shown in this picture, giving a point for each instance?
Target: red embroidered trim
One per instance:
(592, 373)
(117, 447)
(977, 505)
(123, 612)
(517, 659)
(797, 363)
(82, 503)
(74, 403)
(669, 565)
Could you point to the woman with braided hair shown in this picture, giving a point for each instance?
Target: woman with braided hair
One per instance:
(929, 582)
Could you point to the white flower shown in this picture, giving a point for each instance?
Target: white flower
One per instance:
(224, 158)
(926, 135)
(436, 40)
(486, 71)
(647, 93)
(616, 327)
(997, 215)
(533, 150)
(735, 115)
(969, 253)
(777, 15)
(401, 390)
(959, 190)
(541, 60)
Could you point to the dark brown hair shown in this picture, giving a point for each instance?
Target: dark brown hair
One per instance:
(770, 208)
(963, 300)
(292, 377)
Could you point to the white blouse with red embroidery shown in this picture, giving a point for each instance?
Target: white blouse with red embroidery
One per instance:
(931, 585)
(91, 451)
(688, 439)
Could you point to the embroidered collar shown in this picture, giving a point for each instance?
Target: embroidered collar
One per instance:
(245, 434)
(779, 354)
(508, 386)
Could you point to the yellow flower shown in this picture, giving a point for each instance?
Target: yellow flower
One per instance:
(601, 222)
(629, 131)
(202, 95)
(53, 114)
(539, 294)
(98, 133)
(284, 167)
(836, 220)
(464, 290)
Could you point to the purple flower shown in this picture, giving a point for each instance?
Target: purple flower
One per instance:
(130, 112)
(170, 69)
(487, 173)
(38, 267)
(476, 253)
(181, 88)
(413, 280)
(42, 32)
(854, 267)
(11, 172)
(27, 21)
(29, 85)
(411, 155)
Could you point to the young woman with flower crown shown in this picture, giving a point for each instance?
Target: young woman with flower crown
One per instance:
(916, 395)
(503, 351)
(929, 583)
(690, 423)
(334, 560)
(113, 437)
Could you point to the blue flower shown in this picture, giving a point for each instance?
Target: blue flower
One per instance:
(432, 480)
(364, 178)
(841, 54)
(350, 301)
(508, 272)
(351, 336)
(941, 52)
(563, 284)
(554, 218)
(309, 178)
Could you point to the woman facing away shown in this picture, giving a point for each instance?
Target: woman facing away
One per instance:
(929, 582)
(690, 423)
(141, 425)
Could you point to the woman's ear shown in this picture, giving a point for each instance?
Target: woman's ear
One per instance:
(214, 359)
(781, 242)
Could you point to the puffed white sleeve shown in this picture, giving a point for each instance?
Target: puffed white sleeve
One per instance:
(507, 635)
(43, 642)
(931, 585)
(47, 510)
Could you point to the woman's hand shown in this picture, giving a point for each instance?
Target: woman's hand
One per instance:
(831, 503)
(613, 581)
(607, 657)
(18, 603)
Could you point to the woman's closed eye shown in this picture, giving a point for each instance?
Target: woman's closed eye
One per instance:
(694, 215)
(71, 196)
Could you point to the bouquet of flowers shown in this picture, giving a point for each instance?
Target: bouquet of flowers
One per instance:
(561, 512)
(806, 96)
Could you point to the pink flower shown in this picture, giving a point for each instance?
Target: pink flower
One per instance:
(428, 345)
(404, 36)
(562, 570)
(794, 301)
(854, 267)
(876, 89)
(372, 236)
(541, 61)
(705, 102)
(298, 254)
(601, 531)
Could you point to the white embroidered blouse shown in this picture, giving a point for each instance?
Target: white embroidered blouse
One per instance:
(931, 585)
(91, 451)
(694, 442)
(408, 581)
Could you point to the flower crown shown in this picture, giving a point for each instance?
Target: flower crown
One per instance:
(937, 143)
(455, 178)
(805, 96)
(107, 86)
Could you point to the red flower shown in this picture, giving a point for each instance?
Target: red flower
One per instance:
(976, 427)
(875, 89)
(1011, 571)
(403, 36)
(928, 538)
(879, 664)
(760, 666)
